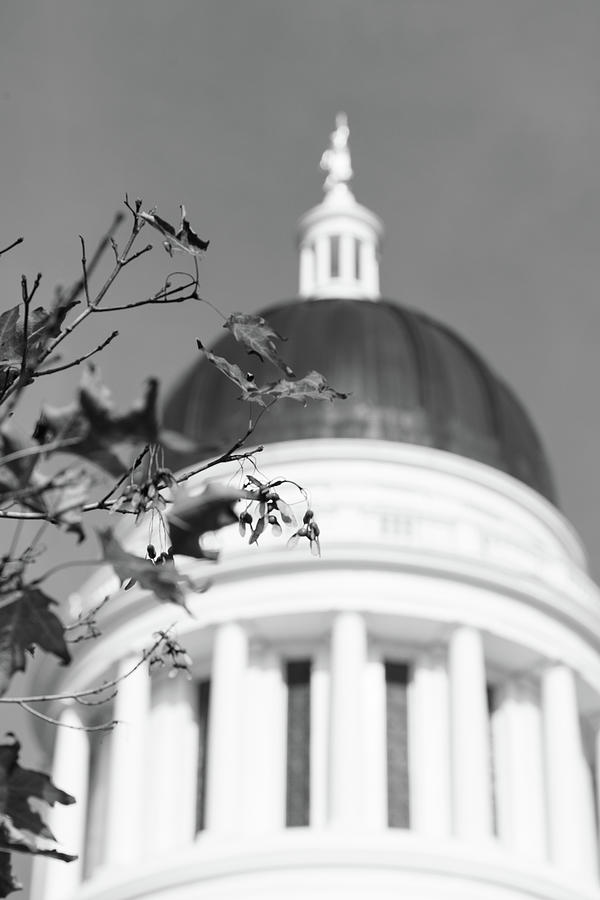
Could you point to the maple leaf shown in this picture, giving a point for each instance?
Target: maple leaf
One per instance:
(185, 239)
(42, 327)
(163, 580)
(21, 826)
(257, 335)
(313, 386)
(232, 371)
(26, 622)
(90, 426)
(192, 516)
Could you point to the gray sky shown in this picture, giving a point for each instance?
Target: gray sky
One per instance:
(475, 132)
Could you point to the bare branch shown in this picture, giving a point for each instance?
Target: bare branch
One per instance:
(127, 474)
(81, 359)
(139, 253)
(18, 241)
(104, 726)
(84, 268)
(92, 692)
(26, 301)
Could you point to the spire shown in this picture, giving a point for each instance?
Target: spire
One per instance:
(339, 239)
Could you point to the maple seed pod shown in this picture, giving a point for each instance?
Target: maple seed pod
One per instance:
(308, 516)
(151, 551)
(316, 530)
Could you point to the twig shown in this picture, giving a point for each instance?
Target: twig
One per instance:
(91, 692)
(139, 253)
(162, 296)
(81, 359)
(98, 253)
(230, 455)
(84, 267)
(104, 726)
(67, 565)
(18, 241)
(26, 301)
(127, 474)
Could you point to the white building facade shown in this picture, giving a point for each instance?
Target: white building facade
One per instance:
(415, 714)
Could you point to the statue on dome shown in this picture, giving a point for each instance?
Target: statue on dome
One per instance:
(336, 159)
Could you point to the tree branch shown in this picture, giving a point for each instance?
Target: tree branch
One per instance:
(91, 692)
(81, 359)
(18, 241)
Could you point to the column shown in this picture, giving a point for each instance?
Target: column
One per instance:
(347, 268)
(374, 730)
(307, 271)
(471, 782)
(173, 747)
(225, 729)
(263, 798)
(346, 759)
(323, 261)
(369, 270)
(319, 725)
(570, 814)
(517, 730)
(128, 786)
(70, 772)
(429, 744)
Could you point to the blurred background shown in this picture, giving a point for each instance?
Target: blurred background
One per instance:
(475, 135)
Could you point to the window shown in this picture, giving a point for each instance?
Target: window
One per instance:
(357, 246)
(297, 801)
(202, 712)
(334, 243)
(396, 691)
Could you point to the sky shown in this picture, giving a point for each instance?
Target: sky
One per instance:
(475, 135)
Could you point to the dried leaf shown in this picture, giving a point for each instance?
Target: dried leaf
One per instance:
(313, 386)
(21, 826)
(257, 335)
(165, 582)
(90, 426)
(185, 239)
(235, 374)
(26, 622)
(42, 327)
(8, 882)
(191, 517)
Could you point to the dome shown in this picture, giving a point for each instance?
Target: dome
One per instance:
(410, 379)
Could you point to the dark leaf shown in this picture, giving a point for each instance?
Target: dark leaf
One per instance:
(191, 517)
(185, 239)
(16, 473)
(313, 386)
(11, 347)
(21, 825)
(258, 337)
(163, 580)
(66, 499)
(235, 374)
(42, 327)
(26, 622)
(90, 427)
(8, 882)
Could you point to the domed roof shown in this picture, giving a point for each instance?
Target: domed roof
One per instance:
(410, 379)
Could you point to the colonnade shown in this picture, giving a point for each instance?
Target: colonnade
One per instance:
(541, 805)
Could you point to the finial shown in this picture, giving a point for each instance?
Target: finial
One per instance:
(336, 159)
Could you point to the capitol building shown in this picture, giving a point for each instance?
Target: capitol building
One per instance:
(412, 716)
